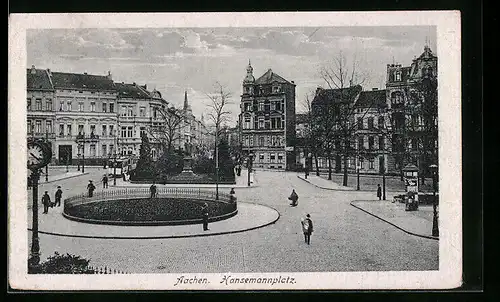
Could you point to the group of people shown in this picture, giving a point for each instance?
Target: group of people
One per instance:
(47, 203)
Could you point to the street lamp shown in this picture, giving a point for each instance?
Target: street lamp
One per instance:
(435, 226)
(383, 178)
(358, 166)
(308, 164)
(79, 161)
(249, 166)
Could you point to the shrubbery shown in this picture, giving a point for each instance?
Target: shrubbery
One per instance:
(61, 264)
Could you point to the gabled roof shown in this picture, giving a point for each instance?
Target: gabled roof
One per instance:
(81, 81)
(131, 91)
(342, 95)
(271, 77)
(38, 79)
(371, 99)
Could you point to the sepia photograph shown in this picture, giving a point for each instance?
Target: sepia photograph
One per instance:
(246, 151)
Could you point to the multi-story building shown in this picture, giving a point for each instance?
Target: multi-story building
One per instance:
(267, 120)
(40, 104)
(412, 107)
(85, 108)
(139, 111)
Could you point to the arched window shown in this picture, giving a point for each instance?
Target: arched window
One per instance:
(153, 153)
(398, 75)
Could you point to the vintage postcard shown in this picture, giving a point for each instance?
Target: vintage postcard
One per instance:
(235, 151)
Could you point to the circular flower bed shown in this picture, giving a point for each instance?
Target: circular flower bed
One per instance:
(147, 211)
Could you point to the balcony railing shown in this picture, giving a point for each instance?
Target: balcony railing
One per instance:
(42, 135)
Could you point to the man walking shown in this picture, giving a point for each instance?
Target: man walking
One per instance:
(204, 211)
(294, 198)
(58, 196)
(91, 188)
(105, 181)
(152, 190)
(379, 192)
(46, 202)
(307, 228)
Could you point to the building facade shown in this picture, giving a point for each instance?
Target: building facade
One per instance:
(267, 120)
(85, 117)
(191, 130)
(138, 112)
(40, 105)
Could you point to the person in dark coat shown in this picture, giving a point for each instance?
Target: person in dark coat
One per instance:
(152, 190)
(91, 188)
(294, 198)
(105, 181)
(46, 202)
(232, 198)
(379, 192)
(204, 211)
(307, 228)
(58, 196)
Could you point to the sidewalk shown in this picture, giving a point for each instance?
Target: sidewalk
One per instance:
(418, 223)
(60, 176)
(322, 183)
(241, 182)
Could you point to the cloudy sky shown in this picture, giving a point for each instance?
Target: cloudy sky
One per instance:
(175, 60)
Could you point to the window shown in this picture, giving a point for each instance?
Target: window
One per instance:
(261, 156)
(361, 143)
(81, 106)
(273, 105)
(69, 106)
(266, 106)
(246, 141)
(360, 123)
(69, 129)
(381, 122)
(381, 143)
(38, 126)
(131, 111)
(30, 127)
(129, 132)
(371, 142)
(282, 123)
(273, 157)
(251, 140)
(280, 157)
(123, 111)
(261, 141)
(398, 75)
(111, 107)
(153, 153)
(111, 130)
(396, 97)
(247, 123)
(38, 104)
(261, 123)
(104, 150)
(370, 163)
(248, 107)
(154, 113)
(143, 131)
(61, 105)
(370, 123)
(124, 132)
(61, 130)
(268, 124)
(104, 130)
(29, 104)
(142, 111)
(275, 122)
(361, 163)
(261, 106)
(104, 107)
(92, 150)
(48, 105)
(48, 126)
(276, 89)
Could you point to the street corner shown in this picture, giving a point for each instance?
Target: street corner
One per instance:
(324, 184)
(410, 222)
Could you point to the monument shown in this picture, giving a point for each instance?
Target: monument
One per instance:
(187, 175)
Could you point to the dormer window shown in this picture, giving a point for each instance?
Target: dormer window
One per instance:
(276, 88)
(398, 76)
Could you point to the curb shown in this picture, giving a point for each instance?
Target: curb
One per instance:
(51, 181)
(325, 188)
(394, 225)
(166, 237)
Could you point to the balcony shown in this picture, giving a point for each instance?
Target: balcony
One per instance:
(42, 135)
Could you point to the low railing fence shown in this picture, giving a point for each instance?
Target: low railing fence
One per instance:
(128, 193)
(105, 270)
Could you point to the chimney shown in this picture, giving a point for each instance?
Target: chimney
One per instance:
(109, 76)
(33, 70)
(85, 73)
(292, 82)
(374, 89)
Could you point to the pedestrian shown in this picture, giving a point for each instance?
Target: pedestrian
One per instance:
(379, 192)
(91, 188)
(46, 202)
(204, 212)
(152, 190)
(307, 228)
(294, 198)
(58, 196)
(105, 181)
(232, 198)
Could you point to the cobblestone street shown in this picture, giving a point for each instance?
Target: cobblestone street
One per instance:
(344, 238)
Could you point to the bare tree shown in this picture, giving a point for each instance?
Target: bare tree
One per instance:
(219, 116)
(312, 135)
(166, 132)
(338, 124)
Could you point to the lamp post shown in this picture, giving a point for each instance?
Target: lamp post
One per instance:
(383, 178)
(47, 166)
(249, 164)
(35, 243)
(358, 166)
(308, 164)
(435, 225)
(78, 159)
(67, 160)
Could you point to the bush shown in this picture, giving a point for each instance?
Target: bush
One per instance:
(61, 264)
(204, 165)
(169, 164)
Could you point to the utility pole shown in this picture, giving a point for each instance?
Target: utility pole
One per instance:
(216, 163)
(47, 166)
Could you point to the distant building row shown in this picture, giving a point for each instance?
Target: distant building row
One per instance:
(92, 115)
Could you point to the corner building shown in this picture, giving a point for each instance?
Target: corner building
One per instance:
(267, 120)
